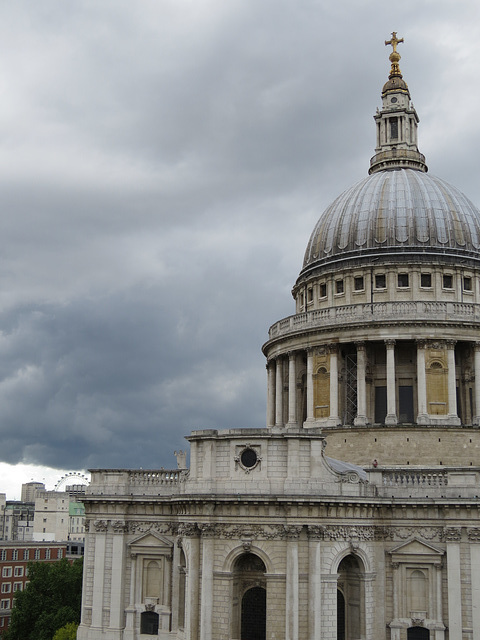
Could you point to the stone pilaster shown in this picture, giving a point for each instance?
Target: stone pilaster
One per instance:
(452, 384)
(270, 393)
(334, 418)
(206, 603)
(279, 393)
(361, 417)
(476, 419)
(310, 417)
(292, 389)
(391, 417)
(422, 413)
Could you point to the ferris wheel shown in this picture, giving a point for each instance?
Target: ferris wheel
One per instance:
(72, 477)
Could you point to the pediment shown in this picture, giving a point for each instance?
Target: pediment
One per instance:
(416, 549)
(150, 542)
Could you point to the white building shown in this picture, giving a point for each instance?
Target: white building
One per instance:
(267, 534)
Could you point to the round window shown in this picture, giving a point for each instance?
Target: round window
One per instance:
(394, 100)
(249, 458)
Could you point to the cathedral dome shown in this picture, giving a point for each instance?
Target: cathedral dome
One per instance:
(400, 211)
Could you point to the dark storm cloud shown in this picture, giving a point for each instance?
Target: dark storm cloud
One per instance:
(161, 167)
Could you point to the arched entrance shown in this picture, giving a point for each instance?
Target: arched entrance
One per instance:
(418, 633)
(254, 614)
(351, 599)
(249, 598)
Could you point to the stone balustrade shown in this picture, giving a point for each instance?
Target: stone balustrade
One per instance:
(414, 478)
(136, 482)
(377, 312)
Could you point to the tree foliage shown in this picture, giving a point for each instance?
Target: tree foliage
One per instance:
(68, 632)
(51, 600)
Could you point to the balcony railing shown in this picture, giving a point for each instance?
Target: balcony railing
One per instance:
(449, 312)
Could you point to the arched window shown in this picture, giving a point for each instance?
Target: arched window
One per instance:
(249, 608)
(149, 623)
(351, 598)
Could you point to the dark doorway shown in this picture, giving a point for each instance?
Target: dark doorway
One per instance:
(340, 616)
(380, 404)
(405, 402)
(254, 614)
(418, 633)
(149, 623)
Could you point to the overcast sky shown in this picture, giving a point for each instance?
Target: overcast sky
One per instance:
(162, 164)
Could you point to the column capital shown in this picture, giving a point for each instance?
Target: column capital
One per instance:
(333, 347)
(291, 354)
(390, 343)
(450, 344)
(476, 346)
(421, 343)
(361, 345)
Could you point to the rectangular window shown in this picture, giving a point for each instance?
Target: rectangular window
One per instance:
(358, 283)
(426, 280)
(467, 283)
(15, 554)
(380, 281)
(37, 554)
(6, 587)
(5, 604)
(59, 553)
(447, 281)
(17, 586)
(403, 280)
(47, 554)
(309, 295)
(26, 554)
(6, 572)
(394, 128)
(339, 286)
(3, 555)
(323, 290)
(18, 572)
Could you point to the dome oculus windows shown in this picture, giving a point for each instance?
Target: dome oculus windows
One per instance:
(248, 457)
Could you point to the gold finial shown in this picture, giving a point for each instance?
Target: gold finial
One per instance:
(394, 57)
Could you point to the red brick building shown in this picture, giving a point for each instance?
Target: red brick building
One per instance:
(14, 558)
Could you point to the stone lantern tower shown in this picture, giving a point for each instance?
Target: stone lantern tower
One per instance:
(383, 352)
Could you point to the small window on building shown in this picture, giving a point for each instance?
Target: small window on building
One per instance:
(15, 554)
(403, 280)
(47, 554)
(323, 290)
(59, 553)
(394, 128)
(309, 295)
(467, 283)
(302, 301)
(6, 572)
(5, 604)
(380, 281)
(149, 623)
(426, 280)
(44, 519)
(339, 286)
(17, 586)
(18, 572)
(3, 555)
(448, 281)
(6, 587)
(37, 554)
(358, 283)
(26, 554)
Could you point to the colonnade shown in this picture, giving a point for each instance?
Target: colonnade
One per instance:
(282, 388)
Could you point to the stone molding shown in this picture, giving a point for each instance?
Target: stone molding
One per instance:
(452, 534)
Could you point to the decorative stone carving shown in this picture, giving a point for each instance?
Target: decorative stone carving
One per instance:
(119, 526)
(452, 534)
(208, 530)
(293, 531)
(100, 526)
(188, 529)
(316, 532)
(474, 534)
(156, 527)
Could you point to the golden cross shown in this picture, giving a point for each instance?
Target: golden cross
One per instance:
(394, 41)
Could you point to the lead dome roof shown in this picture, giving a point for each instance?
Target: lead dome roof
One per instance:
(403, 210)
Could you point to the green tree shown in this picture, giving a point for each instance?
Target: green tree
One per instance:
(51, 600)
(68, 632)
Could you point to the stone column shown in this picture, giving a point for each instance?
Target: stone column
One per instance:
(310, 405)
(475, 564)
(391, 417)
(279, 394)
(130, 630)
(334, 417)
(361, 418)
(476, 419)
(176, 583)
(99, 573)
(315, 604)
(453, 537)
(192, 582)
(452, 384)
(440, 633)
(292, 595)
(422, 413)
(206, 602)
(270, 393)
(116, 596)
(292, 389)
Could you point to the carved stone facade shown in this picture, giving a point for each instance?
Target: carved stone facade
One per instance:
(268, 535)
